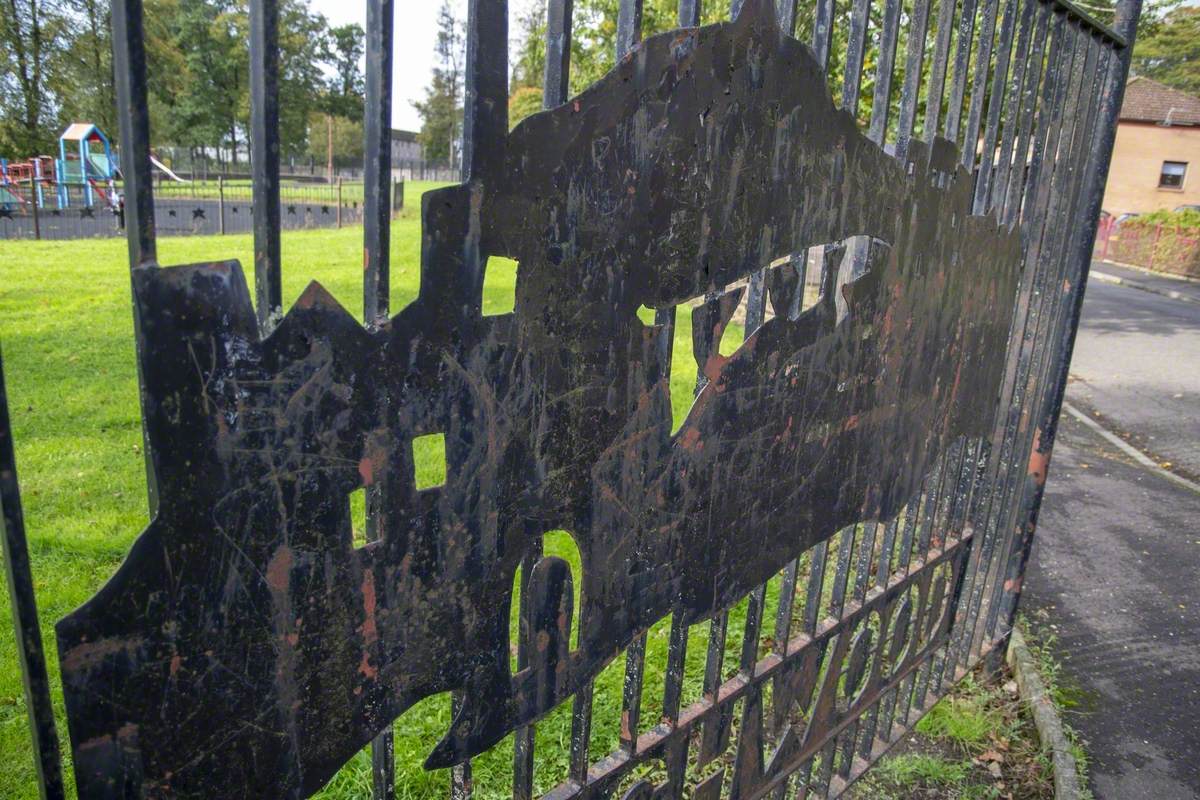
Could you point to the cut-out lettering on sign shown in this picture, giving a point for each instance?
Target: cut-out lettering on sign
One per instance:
(282, 649)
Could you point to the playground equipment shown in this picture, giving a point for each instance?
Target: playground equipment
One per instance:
(14, 175)
(86, 163)
(87, 168)
(80, 165)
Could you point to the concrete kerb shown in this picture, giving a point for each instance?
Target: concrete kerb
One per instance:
(1045, 718)
(1100, 275)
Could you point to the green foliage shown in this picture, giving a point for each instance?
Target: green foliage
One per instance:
(524, 102)
(963, 718)
(1168, 48)
(56, 68)
(346, 135)
(910, 769)
(529, 62)
(1177, 219)
(31, 35)
(344, 91)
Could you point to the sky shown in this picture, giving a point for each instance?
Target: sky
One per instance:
(415, 32)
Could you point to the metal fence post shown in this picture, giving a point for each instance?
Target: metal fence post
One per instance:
(264, 159)
(33, 204)
(339, 203)
(25, 617)
(221, 203)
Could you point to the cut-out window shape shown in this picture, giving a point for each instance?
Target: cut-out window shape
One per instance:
(429, 461)
(646, 315)
(499, 287)
(358, 517)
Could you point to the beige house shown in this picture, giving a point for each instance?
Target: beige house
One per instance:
(1156, 159)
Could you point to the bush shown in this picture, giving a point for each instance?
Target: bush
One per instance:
(1168, 219)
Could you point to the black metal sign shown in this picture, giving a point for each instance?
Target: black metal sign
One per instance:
(248, 647)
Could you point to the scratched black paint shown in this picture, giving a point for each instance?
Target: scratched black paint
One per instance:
(246, 641)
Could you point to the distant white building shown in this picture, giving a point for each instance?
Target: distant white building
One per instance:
(405, 147)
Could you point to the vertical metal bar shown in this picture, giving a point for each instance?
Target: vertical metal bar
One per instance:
(881, 102)
(913, 64)
(979, 85)
(785, 12)
(23, 602)
(937, 76)
(485, 124)
(962, 59)
(377, 169)
(629, 26)
(33, 208)
(1016, 109)
(557, 83)
(133, 114)
(886, 552)
(221, 204)
(631, 700)
(460, 776)
(837, 600)
(1014, 189)
(581, 733)
(377, 173)
(264, 158)
(822, 42)
(855, 51)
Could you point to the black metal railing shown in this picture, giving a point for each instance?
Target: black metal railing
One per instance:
(873, 622)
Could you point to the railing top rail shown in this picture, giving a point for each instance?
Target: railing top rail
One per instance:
(1089, 21)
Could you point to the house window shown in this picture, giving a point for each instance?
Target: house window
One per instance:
(1172, 175)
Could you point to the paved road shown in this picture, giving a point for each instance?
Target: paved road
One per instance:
(1137, 368)
(1116, 563)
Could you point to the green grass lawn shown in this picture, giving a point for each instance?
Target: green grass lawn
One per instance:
(67, 334)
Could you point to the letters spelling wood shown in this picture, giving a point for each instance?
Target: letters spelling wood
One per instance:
(247, 647)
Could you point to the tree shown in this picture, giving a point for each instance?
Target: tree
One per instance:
(344, 134)
(529, 64)
(206, 108)
(525, 101)
(81, 72)
(441, 110)
(30, 31)
(343, 96)
(1168, 50)
(344, 90)
(301, 71)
